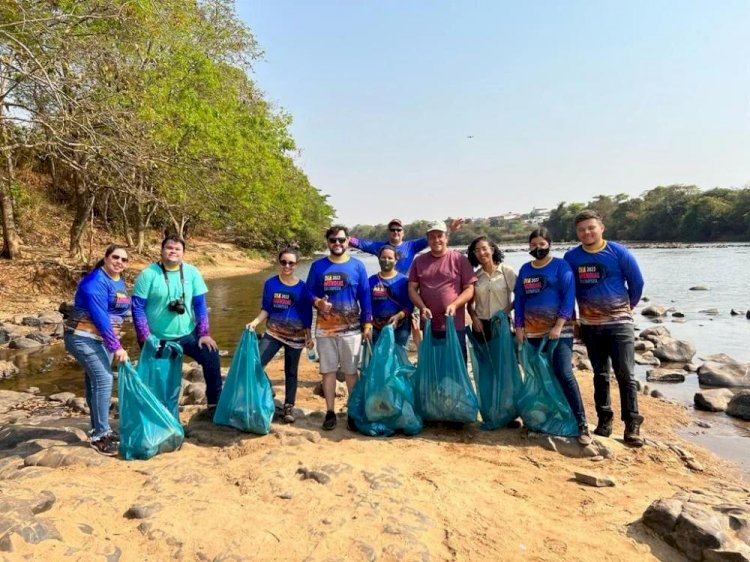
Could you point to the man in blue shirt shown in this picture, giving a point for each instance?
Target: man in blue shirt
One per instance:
(609, 285)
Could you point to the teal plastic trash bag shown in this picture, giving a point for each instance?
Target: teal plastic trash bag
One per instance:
(382, 401)
(246, 402)
(540, 401)
(147, 428)
(442, 388)
(160, 369)
(496, 373)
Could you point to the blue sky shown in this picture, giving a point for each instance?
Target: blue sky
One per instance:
(564, 100)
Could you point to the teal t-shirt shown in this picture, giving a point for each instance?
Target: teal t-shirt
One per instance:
(150, 285)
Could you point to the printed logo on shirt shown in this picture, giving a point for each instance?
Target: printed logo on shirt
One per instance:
(379, 292)
(533, 285)
(334, 282)
(122, 300)
(589, 274)
(282, 301)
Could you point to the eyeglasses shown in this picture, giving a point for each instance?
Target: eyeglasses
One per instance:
(287, 263)
(115, 257)
(396, 229)
(335, 240)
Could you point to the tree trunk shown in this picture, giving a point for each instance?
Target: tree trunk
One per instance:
(84, 204)
(11, 239)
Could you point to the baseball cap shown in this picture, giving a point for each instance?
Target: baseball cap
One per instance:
(437, 225)
(396, 221)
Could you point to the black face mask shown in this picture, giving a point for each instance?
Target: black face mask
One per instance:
(540, 253)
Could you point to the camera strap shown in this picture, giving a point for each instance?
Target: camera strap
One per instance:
(166, 280)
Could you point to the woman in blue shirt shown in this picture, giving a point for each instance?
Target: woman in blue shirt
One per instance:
(389, 292)
(287, 309)
(92, 337)
(544, 305)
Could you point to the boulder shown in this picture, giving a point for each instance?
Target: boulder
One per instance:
(678, 314)
(194, 393)
(739, 405)
(24, 343)
(720, 358)
(647, 358)
(697, 530)
(32, 321)
(50, 318)
(7, 369)
(736, 312)
(665, 375)
(644, 345)
(675, 351)
(661, 516)
(715, 400)
(63, 397)
(654, 310)
(193, 373)
(724, 375)
(55, 457)
(594, 479)
(40, 337)
(654, 333)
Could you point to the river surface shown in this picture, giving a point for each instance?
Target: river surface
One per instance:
(669, 274)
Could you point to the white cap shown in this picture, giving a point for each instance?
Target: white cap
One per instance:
(437, 225)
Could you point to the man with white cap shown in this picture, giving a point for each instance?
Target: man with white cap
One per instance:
(407, 249)
(441, 283)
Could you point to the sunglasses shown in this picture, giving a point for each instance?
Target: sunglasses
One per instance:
(334, 240)
(396, 229)
(287, 263)
(115, 257)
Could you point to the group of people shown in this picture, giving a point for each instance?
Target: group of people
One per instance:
(169, 304)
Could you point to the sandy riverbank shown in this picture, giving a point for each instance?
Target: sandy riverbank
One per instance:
(443, 495)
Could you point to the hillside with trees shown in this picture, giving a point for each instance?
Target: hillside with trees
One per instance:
(143, 115)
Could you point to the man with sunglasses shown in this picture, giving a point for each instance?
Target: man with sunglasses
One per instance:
(341, 295)
(169, 304)
(407, 250)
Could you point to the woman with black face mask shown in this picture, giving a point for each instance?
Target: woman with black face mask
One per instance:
(494, 288)
(389, 291)
(545, 306)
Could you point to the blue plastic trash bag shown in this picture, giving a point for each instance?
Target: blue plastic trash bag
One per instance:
(246, 402)
(540, 401)
(147, 428)
(442, 388)
(160, 369)
(382, 401)
(496, 373)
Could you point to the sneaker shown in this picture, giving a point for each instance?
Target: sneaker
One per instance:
(114, 436)
(330, 422)
(105, 446)
(351, 425)
(633, 431)
(288, 416)
(584, 438)
(514, 424)
(604, 426)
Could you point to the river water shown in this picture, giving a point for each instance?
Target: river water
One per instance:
(669, 274)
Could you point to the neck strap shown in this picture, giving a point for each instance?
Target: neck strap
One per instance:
(166, 279)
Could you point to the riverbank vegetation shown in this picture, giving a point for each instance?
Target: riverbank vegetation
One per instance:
(674, 213)
(141, 116)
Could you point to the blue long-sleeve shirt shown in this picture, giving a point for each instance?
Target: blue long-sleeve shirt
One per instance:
(100, 305)
(389, 296)
(609, 283)
(542, 295)
(289, 309)
(407, 250)
(348, 290)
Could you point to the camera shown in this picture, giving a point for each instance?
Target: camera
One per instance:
(177, 306)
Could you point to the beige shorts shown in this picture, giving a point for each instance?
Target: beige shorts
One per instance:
(343, 351)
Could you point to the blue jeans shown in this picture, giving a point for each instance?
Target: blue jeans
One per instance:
(208, 360)
(97, 364)
(562, 365)
(269, 347)
(615, 342)
(400, 334)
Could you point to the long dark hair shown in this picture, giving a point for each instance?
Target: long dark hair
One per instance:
(541, 232)
(497, 253)
(111, 248)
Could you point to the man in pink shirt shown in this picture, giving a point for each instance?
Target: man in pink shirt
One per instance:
(441, 282)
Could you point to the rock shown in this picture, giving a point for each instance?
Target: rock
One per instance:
(63, 397)
(646, 358)
(699, 288)
(40, 337)
(678, 314)
(715, 400)
(593, 479)
(724, 374)
(140, 511)
(657, 394)
(644, 345)
(12, 436)
(747, 315)
(32, 321)
(654, 333)
(569, 446)
(194, 393)
(691, 367)
(646, 390)
(713, 555)
(654, 310)
(697, 530)
(341, 391)
(739, 405)
(710, 311)
(735, 312)
(7, 369)
(55, 457)
(676, 351)
(581, 363)
(78, 404)
(24, 343)
(318, 476)
(661, 516)
(722, 358)
(193, 372)
(50, 318)
(665, 375)
(645, 299)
